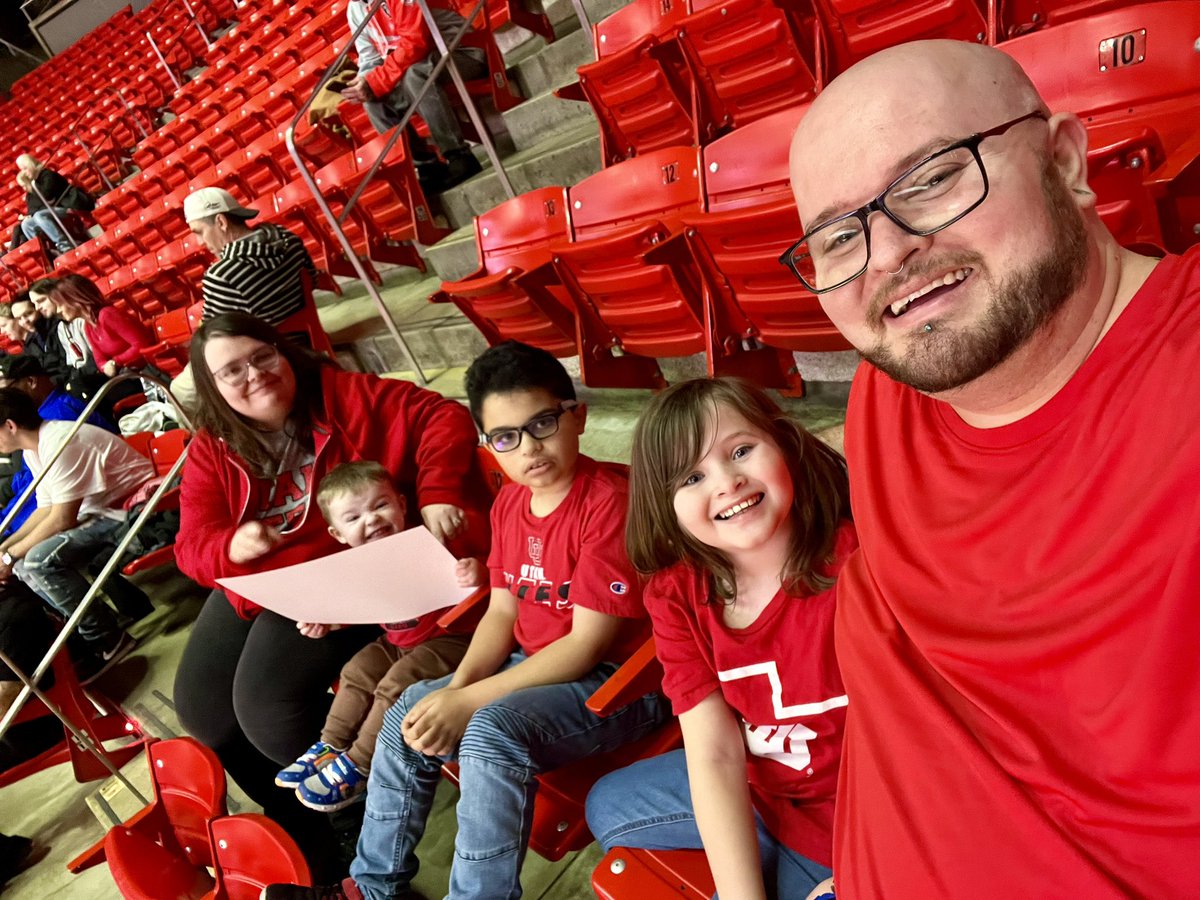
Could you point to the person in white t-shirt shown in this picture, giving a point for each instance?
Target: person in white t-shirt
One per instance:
(79, 513)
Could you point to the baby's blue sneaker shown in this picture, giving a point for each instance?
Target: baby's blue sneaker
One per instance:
(315, 757)
(336, 785)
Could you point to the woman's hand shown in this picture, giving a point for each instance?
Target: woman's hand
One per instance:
(471, 573)
(444, 520)
(250, 541)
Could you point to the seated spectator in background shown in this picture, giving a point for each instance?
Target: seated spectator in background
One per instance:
(25, 374)
(257, 269)
(60, 194)
(71, 336)
(565, 596)
(273, 418)
(116, 339)
(79, 512)
(1018, 630)
(41, 338)
(361, 504)
(396, 56)
(10, 326)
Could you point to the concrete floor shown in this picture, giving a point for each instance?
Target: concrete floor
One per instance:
(54, 810)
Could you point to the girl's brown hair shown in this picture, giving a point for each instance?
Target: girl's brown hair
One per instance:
(80, 292)
(214, 414)
(672, 435)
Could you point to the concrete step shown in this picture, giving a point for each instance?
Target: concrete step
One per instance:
(563, 158)
(455, 256)
(554, 65)
(515, 42)
(543, 116)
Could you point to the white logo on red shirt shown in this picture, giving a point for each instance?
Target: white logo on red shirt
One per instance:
(535, 550)
(784, 743)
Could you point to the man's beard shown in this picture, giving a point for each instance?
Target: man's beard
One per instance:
(1026, 300)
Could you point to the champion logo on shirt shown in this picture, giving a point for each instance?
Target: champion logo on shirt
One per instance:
(535, 550)
(619, 588)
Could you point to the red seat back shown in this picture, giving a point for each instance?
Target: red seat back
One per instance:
(250, 852)
(857, 28)
(189, 787)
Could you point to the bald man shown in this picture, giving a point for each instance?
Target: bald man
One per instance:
(1020, 633)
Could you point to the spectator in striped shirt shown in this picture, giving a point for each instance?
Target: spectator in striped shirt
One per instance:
(257, 269)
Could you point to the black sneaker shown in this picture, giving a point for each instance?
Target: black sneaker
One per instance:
(296, 892)
(96, 664)
(14, 851)
(431, 175)
(461, 164)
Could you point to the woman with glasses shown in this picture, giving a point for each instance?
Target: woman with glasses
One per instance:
(272, 418)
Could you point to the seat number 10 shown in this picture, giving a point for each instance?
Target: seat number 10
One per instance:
(1127, 49)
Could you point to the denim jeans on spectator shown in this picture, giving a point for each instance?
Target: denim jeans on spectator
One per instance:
(54, 569)
(649, 805)
(506, 744)
(43, 221)
(434, 108)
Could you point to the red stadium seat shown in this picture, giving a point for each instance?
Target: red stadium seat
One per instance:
(164, 849)
(638, 86)
(626, 874)
(1133, 75)
(1019, 17)
(629, 259)
(250, 852)
(749, 58)
(857, 28)
(750, 219)
(515, 293)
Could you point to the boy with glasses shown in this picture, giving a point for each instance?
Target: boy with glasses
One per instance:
(565, 597)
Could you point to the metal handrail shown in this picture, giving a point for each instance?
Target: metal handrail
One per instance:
(109, 567)
(335, 221)
(53, 212)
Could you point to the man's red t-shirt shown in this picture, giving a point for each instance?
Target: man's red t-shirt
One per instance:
(575, 555)
(1020, 632)
(781, 677)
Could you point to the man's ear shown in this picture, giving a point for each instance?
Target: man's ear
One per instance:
(1068, 146)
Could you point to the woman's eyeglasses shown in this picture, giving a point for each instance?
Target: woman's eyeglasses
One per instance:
(264, 359)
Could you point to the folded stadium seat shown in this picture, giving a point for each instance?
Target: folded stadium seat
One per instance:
(629, 259)
(855, 29)
(27, 261)
(174, 332)
(159, 224)
(750, 219)
(125, 241)
(502, 12)
(383, 229)
(1133, 75)
(293, 208)
(250, 852)
(1019, 17)
(84, 260)
(407, 202)
(515, 293)
(638, 86)
(749, 58)
(163, 851)
(187, 260)
(155, 289)
(265, 167)
(626, 874)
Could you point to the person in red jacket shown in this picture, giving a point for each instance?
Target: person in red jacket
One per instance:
(117, 340)
(272, 419)
(396, 56)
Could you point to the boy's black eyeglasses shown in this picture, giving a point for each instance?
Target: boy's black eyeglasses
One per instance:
(932, 195)
(540, 427)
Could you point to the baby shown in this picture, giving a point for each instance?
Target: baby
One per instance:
(361, 504)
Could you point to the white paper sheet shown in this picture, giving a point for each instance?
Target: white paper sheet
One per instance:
(389, 580)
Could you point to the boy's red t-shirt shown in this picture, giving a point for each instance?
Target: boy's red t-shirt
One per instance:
(574, 555)
(1020, 631)
(780, 675)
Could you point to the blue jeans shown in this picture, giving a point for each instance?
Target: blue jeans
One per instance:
(649, 805)
(53, 569)
(43, 221)
(506, 745)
